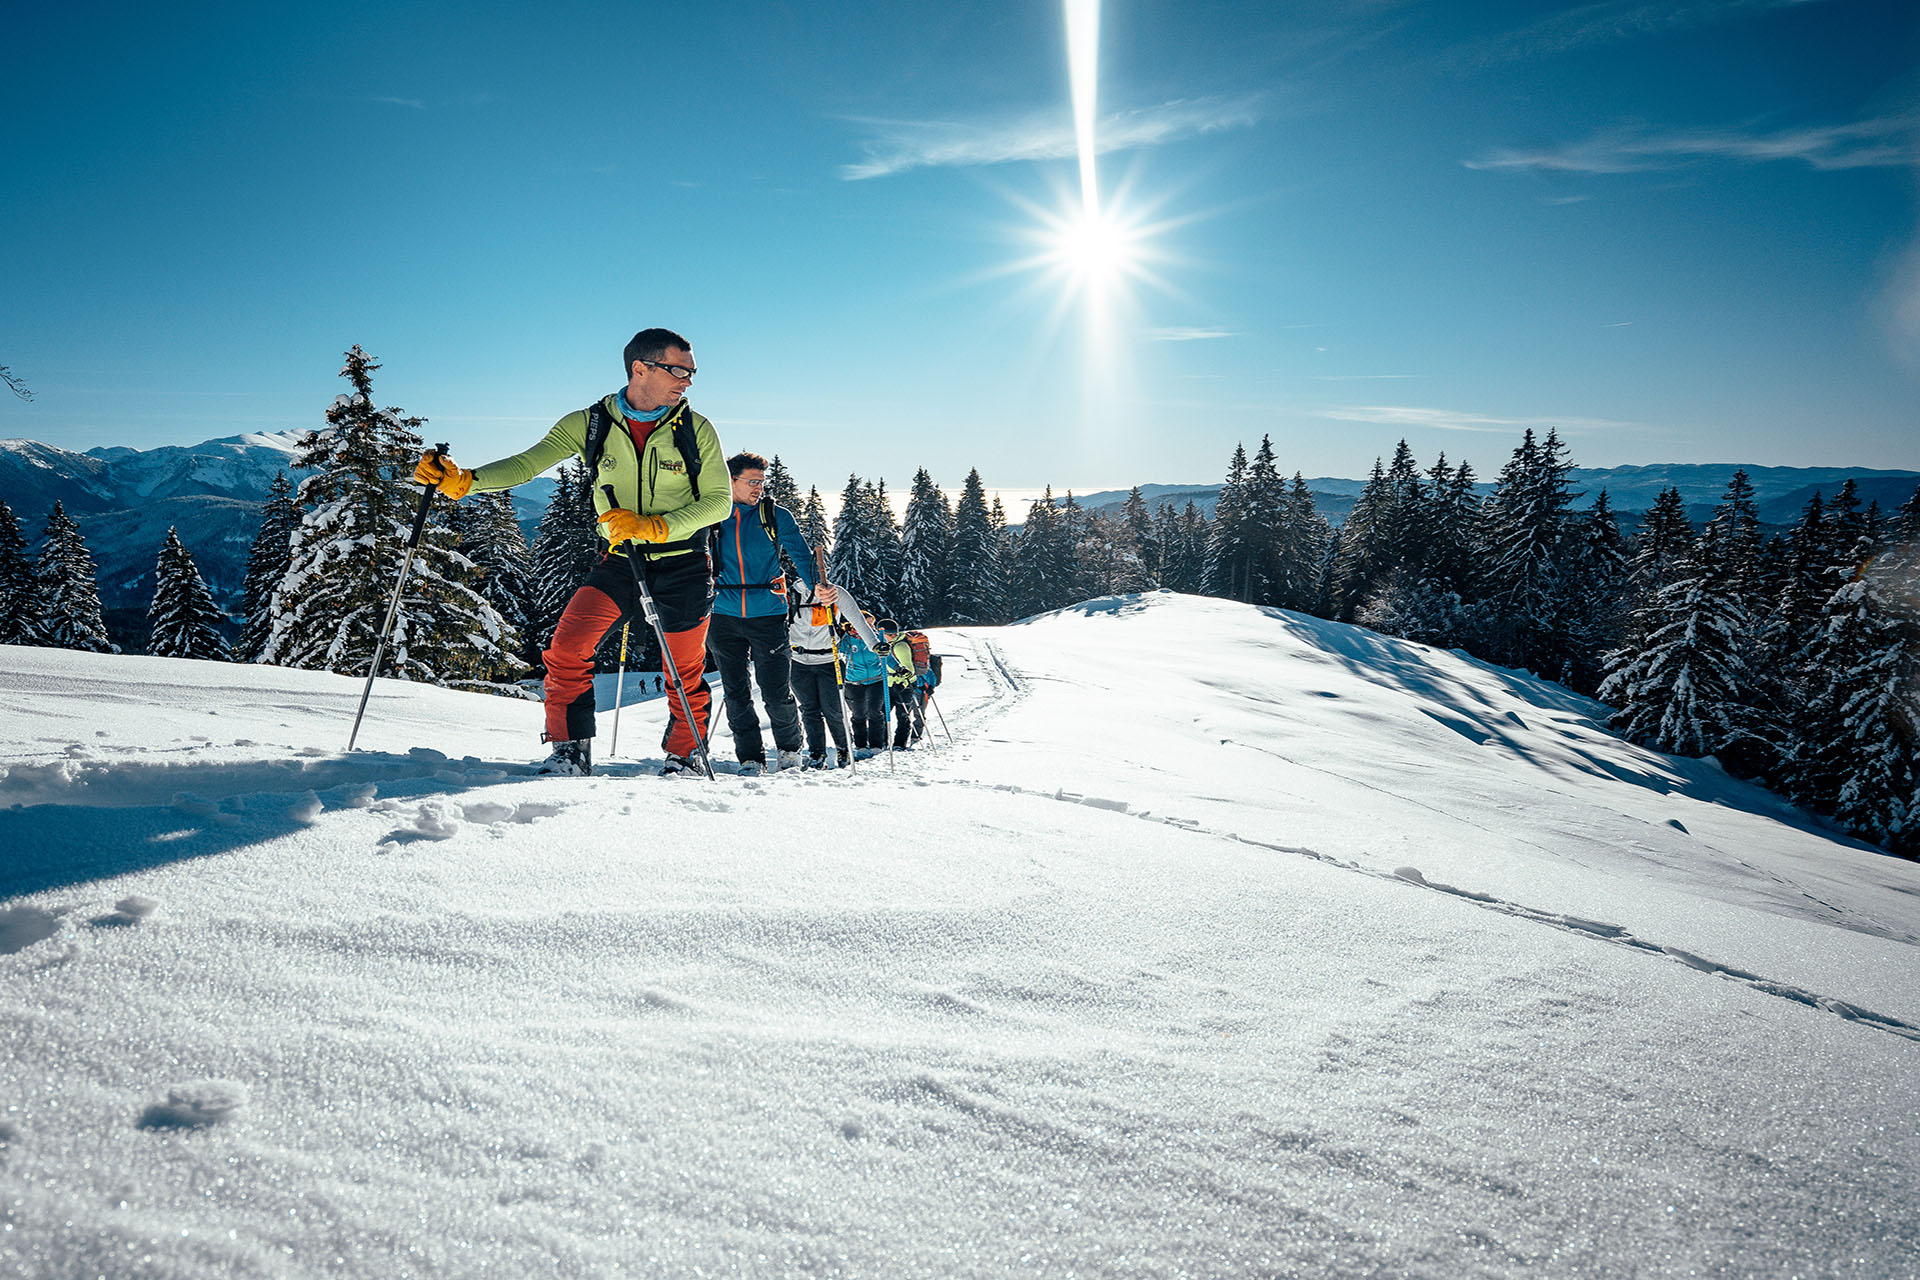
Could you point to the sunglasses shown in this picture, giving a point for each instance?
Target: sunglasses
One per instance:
(684, 372)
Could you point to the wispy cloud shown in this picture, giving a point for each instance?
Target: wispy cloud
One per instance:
(1188, 333)
(900, 145)
(1877, 143)
(1610, 21)
(1454, 420)
(412, 103)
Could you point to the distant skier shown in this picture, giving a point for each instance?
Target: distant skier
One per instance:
(816, 685)
(862, 669)
(750, 613)
(664, 462)
(902, 684)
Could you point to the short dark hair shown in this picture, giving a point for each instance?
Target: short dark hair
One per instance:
(651, 344)
(745, 462)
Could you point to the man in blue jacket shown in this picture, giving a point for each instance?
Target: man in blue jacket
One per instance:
(750, 613)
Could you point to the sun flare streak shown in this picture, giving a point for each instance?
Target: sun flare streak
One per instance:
(1083, 70)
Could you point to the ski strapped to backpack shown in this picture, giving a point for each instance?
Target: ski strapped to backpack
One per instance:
(685, 440)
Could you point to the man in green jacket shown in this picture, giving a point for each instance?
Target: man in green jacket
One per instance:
(669, 476)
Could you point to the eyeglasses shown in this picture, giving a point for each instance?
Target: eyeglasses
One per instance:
(752, 484)
(684, 372)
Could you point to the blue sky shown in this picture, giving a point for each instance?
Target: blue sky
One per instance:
(1681, 231)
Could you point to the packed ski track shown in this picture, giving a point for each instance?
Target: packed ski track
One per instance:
(1217, 942)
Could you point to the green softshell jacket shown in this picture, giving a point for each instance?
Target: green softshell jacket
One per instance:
(652, 484)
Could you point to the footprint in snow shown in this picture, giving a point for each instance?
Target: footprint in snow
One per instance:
(196, 1105)
(21, 927)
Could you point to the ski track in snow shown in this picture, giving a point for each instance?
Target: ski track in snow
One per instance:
(1010, 687)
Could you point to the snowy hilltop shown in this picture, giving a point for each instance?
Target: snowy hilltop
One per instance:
(1219, 941)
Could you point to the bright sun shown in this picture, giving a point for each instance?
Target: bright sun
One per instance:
(1095, 247)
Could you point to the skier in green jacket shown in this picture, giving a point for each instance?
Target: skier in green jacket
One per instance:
(669, 475)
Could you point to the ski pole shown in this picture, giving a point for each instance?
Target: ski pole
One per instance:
(666, 651)
(619, 684)
(943, 717)
(393, 605)
(846, 716)
(886, 709)
(920, 714)
(839, 676)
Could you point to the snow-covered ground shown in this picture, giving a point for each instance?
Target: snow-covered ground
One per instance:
(1224, 942)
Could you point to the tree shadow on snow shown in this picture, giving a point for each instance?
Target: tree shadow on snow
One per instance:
(1577, 729)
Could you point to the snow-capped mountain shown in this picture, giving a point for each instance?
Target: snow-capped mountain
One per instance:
(125, 500)
(231, 467)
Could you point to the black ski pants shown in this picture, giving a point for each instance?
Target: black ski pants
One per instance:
(735, 641)
(869, 715)
(906, 714)
(817, 691)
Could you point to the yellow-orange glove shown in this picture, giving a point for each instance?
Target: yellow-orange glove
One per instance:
(438, 471)
(623, 525)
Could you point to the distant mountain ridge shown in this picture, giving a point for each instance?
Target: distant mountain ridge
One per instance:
(1780, 493)
(125, 499)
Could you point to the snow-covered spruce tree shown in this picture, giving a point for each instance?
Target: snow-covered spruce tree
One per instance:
(1596, 589)
(812, 516)
(1856, 733)
(1079, 540)
(566, 546)
(1305, 541)
(1230, 548)
(1042, 572)
(267, 562)
(490, 537)
(1166, 542)
(1188, 568)
(926, 551)
(21, 609)
(185, 622)
(1796, 581)
(855, 563)
(1521, 619)
(1453, 516)
(1264, 512)
(1003, 540)
(975, 577)
(69, 589)
(1413, 592)
(886, 536)
(1684, 690)
(347, 552)
(781, 487)
(1142, 556)
(1099, 552)
(1359, 548)
(1661, 546)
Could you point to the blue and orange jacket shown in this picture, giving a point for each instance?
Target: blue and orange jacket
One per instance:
(746, 565)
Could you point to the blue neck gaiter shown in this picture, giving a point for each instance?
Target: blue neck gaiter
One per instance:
(651, 415)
